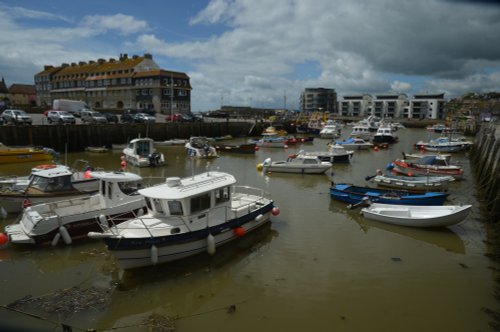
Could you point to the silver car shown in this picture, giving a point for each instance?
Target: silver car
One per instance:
(16, 117)
(92, 117)
(60, 117)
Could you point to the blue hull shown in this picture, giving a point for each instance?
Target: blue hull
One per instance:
(354, 195)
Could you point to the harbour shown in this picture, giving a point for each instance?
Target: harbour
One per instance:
(317, 266)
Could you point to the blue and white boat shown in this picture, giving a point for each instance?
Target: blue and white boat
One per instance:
(186, 217)
(353, 195)
(271, 141)
(355, 144)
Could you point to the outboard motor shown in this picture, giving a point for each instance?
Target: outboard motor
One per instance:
(154, 159)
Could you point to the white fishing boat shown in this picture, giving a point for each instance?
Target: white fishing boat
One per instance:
(48, 183)
(301, 164)
(72, 219)
(361, 131)
(198, 147)
(445, 144)
(335, 154)
(330, 130)
(385, 134)
(140, 152)
(186, 217)
(417, 215)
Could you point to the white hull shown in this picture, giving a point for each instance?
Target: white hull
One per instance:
(14, 204)
(131, 259)
(285, 168)
(417, 216)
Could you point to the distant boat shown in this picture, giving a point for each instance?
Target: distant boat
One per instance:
(271, 141)
(355, 144)
(417, 216)
(140, 152)
(171, 142)
(385, 135)
(14, 155)
(412, 183)
(96, 149)
(426, 166)
(237, 148)
(335, 154)
(301, 164)
(354, 195)
(445, 144)
(198, 147)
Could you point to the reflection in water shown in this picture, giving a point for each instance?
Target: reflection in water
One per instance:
(186, 284)
(442, 237)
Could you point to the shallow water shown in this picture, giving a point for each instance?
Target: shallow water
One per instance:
(318, 266)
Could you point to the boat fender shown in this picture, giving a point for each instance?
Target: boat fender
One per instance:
(26, 203)
(55, 240)
(103, 221)
(65, 235)
(140, 212)
(259, 218)
(210, 244)
(275, 211)
(154, 254)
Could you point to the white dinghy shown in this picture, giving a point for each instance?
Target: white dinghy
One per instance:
(417, 216)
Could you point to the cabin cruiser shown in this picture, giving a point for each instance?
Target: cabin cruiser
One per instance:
(385, 134)
(140, 152)
(301, 164)
(199, 147)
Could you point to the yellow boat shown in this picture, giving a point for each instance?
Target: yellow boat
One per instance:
(11, 155)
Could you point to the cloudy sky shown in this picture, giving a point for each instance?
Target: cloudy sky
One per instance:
(263, 53)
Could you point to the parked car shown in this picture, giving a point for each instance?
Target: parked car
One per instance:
(60, 117)
(177, 117)
(92, 117)
(111, 117)
(143, 118)
(127, 117)
(16, 117)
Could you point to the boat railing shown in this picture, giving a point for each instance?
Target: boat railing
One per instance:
(251, 191)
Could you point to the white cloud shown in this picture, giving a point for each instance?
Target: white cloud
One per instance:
(398, 86)
(20, 12)
(124, 24)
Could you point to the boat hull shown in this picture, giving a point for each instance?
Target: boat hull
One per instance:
(9, 157)
(137, 252)
(355, 195)
(428, 183)
(403, 168)
(285, 168)
(428, 216)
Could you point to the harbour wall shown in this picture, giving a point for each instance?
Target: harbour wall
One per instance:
(485, 157)
(74, 138)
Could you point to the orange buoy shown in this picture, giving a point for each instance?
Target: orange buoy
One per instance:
(4, 239)
(239, 231)
(375, 148)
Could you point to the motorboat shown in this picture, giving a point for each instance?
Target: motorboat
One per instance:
(445, 144)
(140, 152)
(335, 154)
(355, 144)
(330, 130)
(71, 219)
(271, 141)
(97, 149)
(186, 217)
(14, 155)
(80, 178)
(412, 183)
(417, 216)
(385, 134)
(418, 156)
(361, 131)
(301, 164)
(50, 183)
(426, 166)
(198, 147)
(246, 148)
(351, 194)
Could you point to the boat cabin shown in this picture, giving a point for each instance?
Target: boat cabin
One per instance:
(53, 178)
(199, 198)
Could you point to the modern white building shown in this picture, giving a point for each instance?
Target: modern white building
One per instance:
(421, 106)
